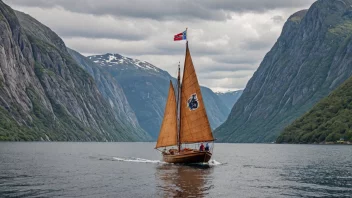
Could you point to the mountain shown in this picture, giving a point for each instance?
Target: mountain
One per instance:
(310, 59)
(217, 111)
(327, 121)
(113, 93)
(230, 98)
(146, 88)
(44, 93)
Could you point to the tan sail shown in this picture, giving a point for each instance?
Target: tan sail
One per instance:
(168, 130)
(195, 125)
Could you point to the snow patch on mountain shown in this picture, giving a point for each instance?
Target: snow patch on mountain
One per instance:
(116, 60)
(238, 92)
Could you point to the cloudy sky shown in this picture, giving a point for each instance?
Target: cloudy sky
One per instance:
(227, 38)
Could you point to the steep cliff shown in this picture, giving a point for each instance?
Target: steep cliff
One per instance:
(113, 93)
(146, 87)
(44, 94)
(328, 121)
(309, 60)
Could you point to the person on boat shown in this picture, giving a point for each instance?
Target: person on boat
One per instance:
(207, 147)
(201, 148)
(164, 151)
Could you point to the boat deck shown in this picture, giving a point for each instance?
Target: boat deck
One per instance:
(189, 156)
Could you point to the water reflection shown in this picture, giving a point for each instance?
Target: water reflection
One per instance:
(183, 181)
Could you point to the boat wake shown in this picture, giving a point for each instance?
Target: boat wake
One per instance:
(215, 163)
(211, 163)
(141, 160)
(138, 160)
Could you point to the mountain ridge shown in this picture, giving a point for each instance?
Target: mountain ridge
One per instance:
(229, 98)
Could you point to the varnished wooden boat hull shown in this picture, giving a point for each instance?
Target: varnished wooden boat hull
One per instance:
(190, 157)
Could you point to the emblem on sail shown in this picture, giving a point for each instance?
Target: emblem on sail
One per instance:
(193, 103)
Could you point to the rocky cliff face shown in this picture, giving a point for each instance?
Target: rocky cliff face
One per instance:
(113, 93)
(309, 60)
(230, 98)
(44, 94)
(146, 88)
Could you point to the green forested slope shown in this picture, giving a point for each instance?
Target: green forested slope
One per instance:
(328, 121)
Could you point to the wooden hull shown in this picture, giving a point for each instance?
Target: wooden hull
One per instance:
(188, 157)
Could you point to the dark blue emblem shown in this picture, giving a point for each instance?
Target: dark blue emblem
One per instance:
(193, 102)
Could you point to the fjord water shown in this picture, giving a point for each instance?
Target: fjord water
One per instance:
(135, 170)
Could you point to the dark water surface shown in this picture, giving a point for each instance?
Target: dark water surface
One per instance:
(134, 170)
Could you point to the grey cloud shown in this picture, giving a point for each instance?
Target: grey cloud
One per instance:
(165, 9)
(153, 9)
(197, 49)
(94, 33)
(234, 74)
(102, 46)
(225, 68)
(258, 44)
(254, 5)
(278, 19)
(68, 24)
(240, 58)
(264, 41)
(228, 84)
(236, 84)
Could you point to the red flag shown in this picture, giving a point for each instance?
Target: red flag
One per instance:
(178, 37)
(181, 36)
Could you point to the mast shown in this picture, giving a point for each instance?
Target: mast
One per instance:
(178, 102)
(178, 109)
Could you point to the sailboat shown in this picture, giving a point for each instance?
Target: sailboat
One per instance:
(185, 121)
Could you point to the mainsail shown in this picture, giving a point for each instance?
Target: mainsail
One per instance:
(168, 130)
(194, 126)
